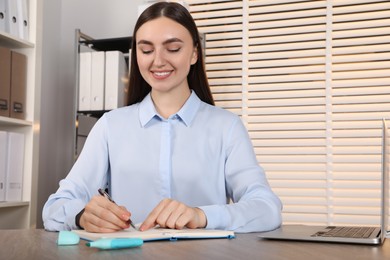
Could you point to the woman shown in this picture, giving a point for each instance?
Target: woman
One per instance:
(171, 158)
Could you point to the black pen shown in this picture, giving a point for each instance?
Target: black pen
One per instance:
(105, 194)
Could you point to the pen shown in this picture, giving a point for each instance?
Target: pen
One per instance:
(105, 194)
(116, 243)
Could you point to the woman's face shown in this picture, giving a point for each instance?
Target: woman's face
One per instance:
(165, 53)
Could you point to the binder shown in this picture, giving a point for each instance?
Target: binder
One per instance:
(3, 163)
(85, 81)
(115, 86)
(2, 16)
(80, 144)
(23, 22)
(97, 80)
(15, 162)
(12, 20)
(129, 63)
(85, 124)
(5, 81)
(18, 85)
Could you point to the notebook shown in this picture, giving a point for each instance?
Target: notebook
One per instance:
(157, 233)
(357, 235)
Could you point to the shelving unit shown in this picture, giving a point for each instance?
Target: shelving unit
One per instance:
(14, 215)
(85, 41)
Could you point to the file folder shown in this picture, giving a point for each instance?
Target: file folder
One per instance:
(115, 86)
(85, 124)
(12, 20)
(18, 85)
(2, 16)
(23, 22)
(80, 144)
(3, 163)
(15, 162)
(5, 81)
(85, 81)
(97, 80)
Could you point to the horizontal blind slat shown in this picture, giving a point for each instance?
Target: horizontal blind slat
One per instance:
(312, 105)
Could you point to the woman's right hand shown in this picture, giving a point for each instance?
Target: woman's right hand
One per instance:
(103, 216)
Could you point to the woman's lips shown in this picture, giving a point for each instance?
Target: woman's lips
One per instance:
(161, 74)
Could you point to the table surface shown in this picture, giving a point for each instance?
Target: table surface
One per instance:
(41, 244)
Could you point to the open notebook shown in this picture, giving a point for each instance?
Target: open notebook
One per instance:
(345, 234)
(158, 234)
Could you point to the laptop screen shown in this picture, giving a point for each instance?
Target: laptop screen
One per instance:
(385, 180)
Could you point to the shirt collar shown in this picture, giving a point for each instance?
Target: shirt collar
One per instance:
(147, 111)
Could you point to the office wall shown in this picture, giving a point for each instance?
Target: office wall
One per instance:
(99, 19)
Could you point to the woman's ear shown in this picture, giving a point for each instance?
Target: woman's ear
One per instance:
(194, 58)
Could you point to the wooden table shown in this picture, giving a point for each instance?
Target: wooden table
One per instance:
(39, 244)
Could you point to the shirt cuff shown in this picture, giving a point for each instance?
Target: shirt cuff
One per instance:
(70, 212)
(217, 216)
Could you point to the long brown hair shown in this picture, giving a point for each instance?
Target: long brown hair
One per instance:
(197, 79)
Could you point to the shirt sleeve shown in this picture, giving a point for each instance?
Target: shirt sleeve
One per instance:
(254, 207)
(88, 174)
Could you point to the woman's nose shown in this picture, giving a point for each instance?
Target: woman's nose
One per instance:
(159, 58)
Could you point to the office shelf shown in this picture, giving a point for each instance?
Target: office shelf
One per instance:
(8, 204)
(122, 44)
(10, 41)
(8, 121)
(22, 214)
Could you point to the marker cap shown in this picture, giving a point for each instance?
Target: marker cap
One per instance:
(67, 238)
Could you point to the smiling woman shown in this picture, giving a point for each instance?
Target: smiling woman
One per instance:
(170, 158)
(165, 53)
(173, 31)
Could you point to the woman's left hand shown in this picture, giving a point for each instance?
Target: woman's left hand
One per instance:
(174, 214)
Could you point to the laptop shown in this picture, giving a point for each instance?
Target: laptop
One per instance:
(345, 234)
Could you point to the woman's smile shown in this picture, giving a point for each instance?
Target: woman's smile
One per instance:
(162, 74)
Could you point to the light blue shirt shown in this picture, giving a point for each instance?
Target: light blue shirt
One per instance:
(201, 156)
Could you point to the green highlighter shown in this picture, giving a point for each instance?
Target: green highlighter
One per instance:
(116, 243)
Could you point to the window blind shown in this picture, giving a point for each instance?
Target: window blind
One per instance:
(222, 24)
(311, 82)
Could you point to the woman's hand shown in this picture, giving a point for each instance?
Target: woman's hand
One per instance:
(101, 215)
(174, 214)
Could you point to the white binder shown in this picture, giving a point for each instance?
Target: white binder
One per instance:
(12, 20)
(85, 81)
(97, 80)
(3, 163)
(129, 64)
(2, 16)
(115, 86)
(15, 162)
(23, 21)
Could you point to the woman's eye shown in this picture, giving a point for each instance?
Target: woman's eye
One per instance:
(147, 51)
(174, 50)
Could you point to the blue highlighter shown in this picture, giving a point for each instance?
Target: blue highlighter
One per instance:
(116, 243)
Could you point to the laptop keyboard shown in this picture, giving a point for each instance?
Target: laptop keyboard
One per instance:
(349, 232)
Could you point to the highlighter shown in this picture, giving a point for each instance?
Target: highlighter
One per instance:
(116, 243)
